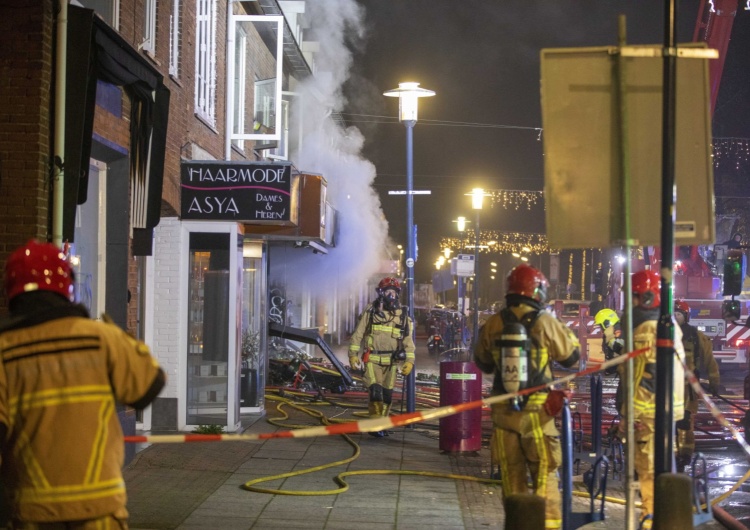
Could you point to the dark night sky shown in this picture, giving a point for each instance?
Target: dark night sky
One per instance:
(482, 59)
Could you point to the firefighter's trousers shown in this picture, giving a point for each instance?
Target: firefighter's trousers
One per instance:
(379, 380)
(644, 463)
(527, 442)
(116, 521)
(686, 438)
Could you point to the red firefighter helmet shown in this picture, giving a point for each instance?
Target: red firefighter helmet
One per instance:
(389, 283)
(647, 285)
(684, 308)
(527, 281)
(38, 267)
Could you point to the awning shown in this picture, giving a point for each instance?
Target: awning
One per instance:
(96, 51)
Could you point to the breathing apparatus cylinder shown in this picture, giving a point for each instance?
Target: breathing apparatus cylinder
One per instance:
(514, 360)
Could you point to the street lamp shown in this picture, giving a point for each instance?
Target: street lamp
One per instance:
(477, 198)
(461, 226)
(408, 95)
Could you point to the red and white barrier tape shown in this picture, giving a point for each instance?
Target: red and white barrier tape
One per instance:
(378, 424)
(715, 412)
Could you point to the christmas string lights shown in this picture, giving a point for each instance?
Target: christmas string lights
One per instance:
(732, 150)
(514, 198)
(493, 241)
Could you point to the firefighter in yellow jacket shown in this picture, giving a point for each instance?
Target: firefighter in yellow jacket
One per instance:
(698, 353)
(382, 339)
(612, 341)
(60, 378)
(646, 287)
(518, 345)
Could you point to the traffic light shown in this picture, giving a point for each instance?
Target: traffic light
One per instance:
(734, 272)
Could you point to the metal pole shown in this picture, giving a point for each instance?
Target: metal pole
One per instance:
(630, 483)
(411, 382)
(475, 333)
(663, 436)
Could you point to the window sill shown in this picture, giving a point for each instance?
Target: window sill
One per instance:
(207, 123)
(152, 57)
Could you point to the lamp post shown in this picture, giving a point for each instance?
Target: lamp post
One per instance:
(477, 198)
(408, 95)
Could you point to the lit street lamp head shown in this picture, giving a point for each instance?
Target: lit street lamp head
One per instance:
(408, 95)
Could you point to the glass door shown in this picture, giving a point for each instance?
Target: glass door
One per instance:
(208, 329)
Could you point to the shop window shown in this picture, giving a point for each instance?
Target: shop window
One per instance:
(208, 329)
(88, 252)
(252, 372)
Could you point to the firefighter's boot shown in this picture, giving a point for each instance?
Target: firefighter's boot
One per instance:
(376, 409)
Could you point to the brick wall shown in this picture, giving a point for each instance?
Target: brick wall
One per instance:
(167, 300)
(26, 40)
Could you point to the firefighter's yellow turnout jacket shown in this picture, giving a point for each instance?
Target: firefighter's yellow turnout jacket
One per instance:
(379, 332)
(60, 377)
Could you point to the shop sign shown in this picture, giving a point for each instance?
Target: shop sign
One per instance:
(250, 192)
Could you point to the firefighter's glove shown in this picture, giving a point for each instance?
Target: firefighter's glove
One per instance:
(354, 362)
(614, 432)
(555, 401)
(714, 388)
(684, 423)
(406, 369)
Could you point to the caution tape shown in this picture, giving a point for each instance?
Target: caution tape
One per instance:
(384, 423)
(715, 412)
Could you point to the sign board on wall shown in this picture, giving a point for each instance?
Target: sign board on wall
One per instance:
(249, 192)
(583, 181)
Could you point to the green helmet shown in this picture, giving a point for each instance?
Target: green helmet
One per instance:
(606, 318)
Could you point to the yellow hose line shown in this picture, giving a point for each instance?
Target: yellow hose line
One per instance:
(714, 501)
(731, 490)
(338, 479)
(613, 500)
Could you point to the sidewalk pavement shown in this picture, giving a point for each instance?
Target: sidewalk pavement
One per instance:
(198, 485)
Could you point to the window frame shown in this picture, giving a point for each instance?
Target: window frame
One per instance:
(205, 60)
(279, 21)
(149, 27)
(175, 21)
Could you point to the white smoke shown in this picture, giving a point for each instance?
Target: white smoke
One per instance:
(333, 151)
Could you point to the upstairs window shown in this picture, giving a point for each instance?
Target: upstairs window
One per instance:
(205, 61)
(149, 27)
(109, 10)
(175, 30)
(240, 78)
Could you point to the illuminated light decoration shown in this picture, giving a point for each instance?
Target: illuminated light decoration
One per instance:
(734, 151)
(502, 242)
(570, 274)
(514, 198)
(583, 271)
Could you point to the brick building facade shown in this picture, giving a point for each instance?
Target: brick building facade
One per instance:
(127, 232)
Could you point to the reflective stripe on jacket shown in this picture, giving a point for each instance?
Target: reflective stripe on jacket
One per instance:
(644, 374)
(383, 335)
(59, 382)
(552, 340)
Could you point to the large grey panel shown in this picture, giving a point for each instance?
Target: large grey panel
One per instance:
(581, 143)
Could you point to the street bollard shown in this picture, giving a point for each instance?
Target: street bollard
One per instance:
(673, 509)
(524, 511)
